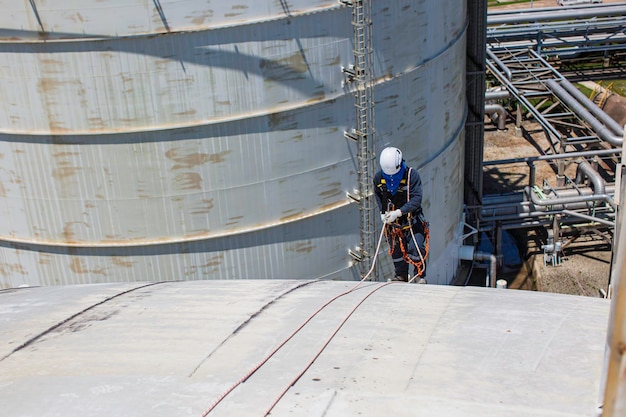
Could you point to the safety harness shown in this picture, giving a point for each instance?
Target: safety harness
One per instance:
(396, 233)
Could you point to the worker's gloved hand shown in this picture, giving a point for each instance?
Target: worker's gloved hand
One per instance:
(383, 216)
(392, 216)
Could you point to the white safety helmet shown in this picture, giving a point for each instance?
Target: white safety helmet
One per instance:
(391, 160)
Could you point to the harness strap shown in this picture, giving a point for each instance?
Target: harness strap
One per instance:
(395, 233)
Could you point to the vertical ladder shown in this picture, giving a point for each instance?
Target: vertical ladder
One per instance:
(363, 81)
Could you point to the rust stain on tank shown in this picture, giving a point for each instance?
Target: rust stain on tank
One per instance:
(317, 96)
(194, 159)
(64, 172)
(301, 247)
(335, 191)
(334, 61)
(119, 261)
(329, 206)
(68, 231)
(3, 191)
(190, 112)
(76, 266)
(44, 259)
(49, 61)
(49, 85)
(64, 154)
(96, 122)
(233, 220)
(293, 67)
(212, 265)
(197, 234)
(189, 181)
(6, 269)
(282, 121)
(292, 216)
(201, 18)
(207, 206)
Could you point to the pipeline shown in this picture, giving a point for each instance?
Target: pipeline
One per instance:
(530, 192)
(497, 113)
(468, 253)
(527, 15)
(602, 131)
(503, 67)
(597, 182)
(497, 95)
(593, 108)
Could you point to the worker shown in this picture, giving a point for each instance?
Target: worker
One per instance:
(398, 192)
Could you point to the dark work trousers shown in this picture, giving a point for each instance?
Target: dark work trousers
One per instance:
(400, 265)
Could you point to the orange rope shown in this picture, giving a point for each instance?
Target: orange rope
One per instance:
(397, 234)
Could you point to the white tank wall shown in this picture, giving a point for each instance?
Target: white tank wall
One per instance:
(422, 111)
(130, 153)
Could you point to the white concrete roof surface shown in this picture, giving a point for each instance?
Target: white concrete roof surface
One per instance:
(173, 349)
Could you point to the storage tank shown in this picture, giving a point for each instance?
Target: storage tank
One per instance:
(186, 139)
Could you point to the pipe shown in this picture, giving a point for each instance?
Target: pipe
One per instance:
(603, 132)
(597, 182)
(494, 58)
(468, 253)
(485, 256)
(568, 155)
(538, 216)
(564, 200)
(563, 13)
(590, 218)
(567, 200)
(593, 108)
(500, 111)
(515, 208)
(497, 95)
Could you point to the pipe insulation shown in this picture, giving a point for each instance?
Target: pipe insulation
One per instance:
(601, 130)
(593, 108)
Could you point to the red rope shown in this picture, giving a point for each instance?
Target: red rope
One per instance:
(319, 352)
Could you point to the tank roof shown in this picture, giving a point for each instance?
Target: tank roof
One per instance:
(180, 348)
